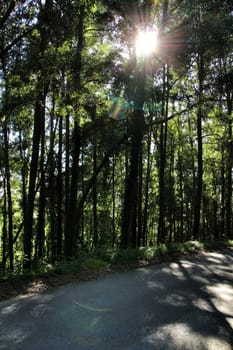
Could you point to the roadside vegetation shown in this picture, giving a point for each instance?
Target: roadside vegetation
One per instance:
(90, 264)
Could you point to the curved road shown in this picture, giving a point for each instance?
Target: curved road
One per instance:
(187, 304)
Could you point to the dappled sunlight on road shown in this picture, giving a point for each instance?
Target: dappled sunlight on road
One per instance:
(185, 304)
(203, 305)
(177, 335)
(223, 300)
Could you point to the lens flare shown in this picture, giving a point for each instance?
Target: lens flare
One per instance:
(146, 42)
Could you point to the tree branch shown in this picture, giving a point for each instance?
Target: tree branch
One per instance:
(15, 41)
(7, 14)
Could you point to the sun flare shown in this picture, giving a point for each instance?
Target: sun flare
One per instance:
(146, 42)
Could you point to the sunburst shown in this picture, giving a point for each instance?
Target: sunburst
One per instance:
(146, 42)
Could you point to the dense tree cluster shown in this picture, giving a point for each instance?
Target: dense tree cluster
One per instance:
(101, 147)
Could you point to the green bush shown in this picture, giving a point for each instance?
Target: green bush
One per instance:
(161, 250)
(92, 264)
(217, 244)
(103, 257)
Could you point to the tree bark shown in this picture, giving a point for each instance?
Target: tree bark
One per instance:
(9, 196)
(229, 221)
(198, 196)
(59, 191)
(129, 215)
(67, 175)
(113, 203)
(163, 152)
(52, 193)
(140, 199)
(223, 189)
(28, 224)
(41, 215)
(72, 221)
(4, 228)
(147, 180)
(94, 188)
(39, 115)
(163, 136)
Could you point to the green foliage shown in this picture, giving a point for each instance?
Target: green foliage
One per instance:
(161, 250)
(93, 264)
(126, 256)
(217, 244)
(101, 259)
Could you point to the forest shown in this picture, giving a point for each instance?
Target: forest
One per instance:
(109, 137)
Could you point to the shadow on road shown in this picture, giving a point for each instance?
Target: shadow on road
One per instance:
(180, 305)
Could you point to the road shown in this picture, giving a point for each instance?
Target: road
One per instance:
(187, 304)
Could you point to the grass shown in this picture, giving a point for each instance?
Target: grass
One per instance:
(104, 258)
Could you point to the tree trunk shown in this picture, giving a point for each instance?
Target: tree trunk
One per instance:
(129, 215)
(39, 114)
(145, 210)
(4, 227)
(140, 198)
(94, 188)
(41, 215)
(9, 197)
(190, 210)
(180, 177)
(82, 210)
(229, 221)
(59, 191)
(223, 188)
(24, 173)
(52, 247)
(72, 221)
(67, 175)
(163, 152)
(28, 224)
(113, 202)
(198, 196)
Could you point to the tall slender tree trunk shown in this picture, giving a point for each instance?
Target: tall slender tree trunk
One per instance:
(129, 215)
(140, 199)
(59, 191)
(67, 174)
(4, 227)
(215, 212)
(162, 157)
(171, 206)
(147, 181)
(28, 224)
(193, 192)
(163, 136)
(180, 177)
(198, 195)
(72, 219)
(9, 196)
(229, 213)
(39, 114)
(24, 173)
(52, 193)
(113, 202)
(41, 215)
(82, 185)
(223, 189)
(94, 188)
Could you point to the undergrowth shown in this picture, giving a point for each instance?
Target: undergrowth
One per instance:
(103, 258)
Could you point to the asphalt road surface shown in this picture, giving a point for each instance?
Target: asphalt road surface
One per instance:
(187, 304)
